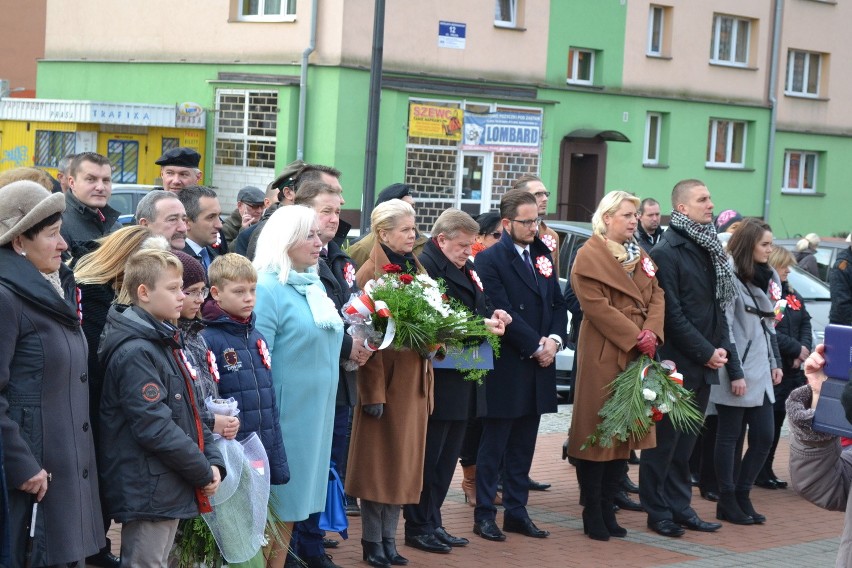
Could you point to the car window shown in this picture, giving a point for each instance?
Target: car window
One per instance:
(122, 202)
(809, 287)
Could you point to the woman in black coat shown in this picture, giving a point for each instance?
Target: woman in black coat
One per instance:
(795, 341)
(49, 454)
(446, 256)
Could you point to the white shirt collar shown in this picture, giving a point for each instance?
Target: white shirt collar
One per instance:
(196, 248)
(518, 248)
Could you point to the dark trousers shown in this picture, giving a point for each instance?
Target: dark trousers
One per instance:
(511, 440)
(307, 537)
(665, 489)
(340, 439)
(470, 445)
(766, 472)
(702, 462)
(735, 471)
(443, 443)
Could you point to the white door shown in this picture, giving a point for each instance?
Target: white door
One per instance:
(473, 190)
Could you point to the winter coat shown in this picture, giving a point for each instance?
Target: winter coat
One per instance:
(806, 259)
(820, 469)
(337, 273)
(82, 225)
(199, 356)
(232, 226)
(44, 414)
(151, 463)
(519, 386)
(452, 393)
(647, 241)
(695, 321)
(386, 455)
(793, 332)
(95, 301)
(5, 547)
(551, 239)
(244, 375)
(305, 369)
(756, 344)
(362, 249)
(840, 285)
(616, 308)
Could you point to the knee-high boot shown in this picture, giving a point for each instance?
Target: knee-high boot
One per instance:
(589, 476)
(613, 472)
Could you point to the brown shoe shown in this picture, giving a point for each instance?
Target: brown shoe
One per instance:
(469, 484)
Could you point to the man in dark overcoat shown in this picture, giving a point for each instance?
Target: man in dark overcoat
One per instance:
(518, 276)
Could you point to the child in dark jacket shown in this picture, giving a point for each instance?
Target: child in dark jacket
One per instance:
(242, 358)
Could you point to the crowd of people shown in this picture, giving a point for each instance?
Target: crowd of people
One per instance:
(118, 336)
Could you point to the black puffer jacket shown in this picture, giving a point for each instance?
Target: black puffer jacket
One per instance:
(840, 283)
(793, 332)
(149, 438)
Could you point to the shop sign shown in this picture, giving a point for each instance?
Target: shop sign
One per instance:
(502, 131)
(430, 121)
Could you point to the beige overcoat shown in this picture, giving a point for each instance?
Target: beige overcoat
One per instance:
(616, 308)
(386, 454)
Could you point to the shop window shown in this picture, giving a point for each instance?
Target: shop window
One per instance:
(124, 158)
(803, 73)
(581, 66)
(246, 128)
(726, 143)
(51, 146)
(730, 43)
(266, 10)
(169, 144)
(800, 171)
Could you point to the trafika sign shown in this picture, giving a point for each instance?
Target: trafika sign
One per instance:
(189, 109)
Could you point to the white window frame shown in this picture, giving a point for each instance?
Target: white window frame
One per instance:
(502, 22)
(803, 157)
(806, 70)
(287, 12)
(728, 142)
(649, 118)
(715, 45)
(573, 55)
(243, 136)
(660, 33)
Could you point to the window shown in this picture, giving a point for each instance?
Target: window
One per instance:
(124, 158)
(246, 128)
(52, 146)
(656, 21)
(653, 130)
(730, 43)
(800, 171)
(506, 13)
(726, 142)
(266, 10)
(169, 144)
(803, 73)
(581, 66)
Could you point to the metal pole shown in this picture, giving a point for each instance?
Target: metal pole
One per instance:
(369, 192)
(303, 84)
(773, 104)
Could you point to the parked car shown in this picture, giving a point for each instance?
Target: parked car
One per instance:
(817, 298)
(125, 197)
(826, 253)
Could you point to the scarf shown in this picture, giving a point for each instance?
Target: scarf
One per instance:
(322, 307)
(762, 276)
(627, 254)
(705, 237)
(55, 282)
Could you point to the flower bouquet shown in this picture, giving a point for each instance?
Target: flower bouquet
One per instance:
(407, 311)
(640, 396)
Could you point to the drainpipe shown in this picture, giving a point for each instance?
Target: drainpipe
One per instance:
(773, 104)
(303, 83)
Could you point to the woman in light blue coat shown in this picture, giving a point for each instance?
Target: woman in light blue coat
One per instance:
(303, 332)
(747, 401)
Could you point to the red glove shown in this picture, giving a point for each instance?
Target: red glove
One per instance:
(646, 342)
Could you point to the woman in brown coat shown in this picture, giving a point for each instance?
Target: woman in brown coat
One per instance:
(623, 313)
(385, 467)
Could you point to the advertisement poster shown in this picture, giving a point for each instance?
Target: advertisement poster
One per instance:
(502, 131)
(430, 121)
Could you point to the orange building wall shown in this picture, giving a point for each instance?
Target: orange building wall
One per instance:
(22, 33)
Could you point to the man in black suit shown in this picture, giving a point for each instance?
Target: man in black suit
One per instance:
(202, 222)
(518, 277)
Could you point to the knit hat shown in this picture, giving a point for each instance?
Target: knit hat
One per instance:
(193, 272)
(23, 205)
(727, 218)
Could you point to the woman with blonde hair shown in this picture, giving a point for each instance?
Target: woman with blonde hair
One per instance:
(806, 253)
(623, 312)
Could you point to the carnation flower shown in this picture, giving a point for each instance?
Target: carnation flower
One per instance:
(648, 394)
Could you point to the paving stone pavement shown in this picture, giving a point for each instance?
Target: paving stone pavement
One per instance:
(797, 534)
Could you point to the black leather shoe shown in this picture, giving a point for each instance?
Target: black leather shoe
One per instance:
(320, 561)
(352, 508)
(565, 449)
(767, 483)
(666, 527)
(693, 479)
(633, 459)
(329, 543)
(488, 530)
(374, 554)
(696, 524)
(623, 501)
(780, 484)
(427, 543)
(710, 496)
(392, 554)
(628, 485)
(105, 559)
(536, 486)
(443, 536)
(525, 527)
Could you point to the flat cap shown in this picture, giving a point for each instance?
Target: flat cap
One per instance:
(287, 178)
(251, 195)
(183, 157)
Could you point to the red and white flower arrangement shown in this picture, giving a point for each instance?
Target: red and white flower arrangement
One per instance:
(544, 266)
(349, 273)
(211, 364)
(264, 353)
(549, 241)
(648, 267)
(192, 372)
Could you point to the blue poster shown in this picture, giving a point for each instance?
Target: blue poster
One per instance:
(502, 131)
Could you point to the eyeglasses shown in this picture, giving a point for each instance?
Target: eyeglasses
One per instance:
(197, 294)
(496, 234)
(541, 194)
(527, 223)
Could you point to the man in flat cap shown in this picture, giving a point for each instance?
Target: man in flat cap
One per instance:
(251, 201)
(179, 169)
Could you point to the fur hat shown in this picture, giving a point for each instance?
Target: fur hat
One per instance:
(193, 272)
(23, 205)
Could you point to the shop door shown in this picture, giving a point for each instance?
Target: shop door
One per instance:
(474, 188)
(582, 169)
(124, 157)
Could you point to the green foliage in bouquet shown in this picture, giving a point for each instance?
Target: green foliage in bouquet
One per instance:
(640, 396)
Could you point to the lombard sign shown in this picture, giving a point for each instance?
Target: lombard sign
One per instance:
(502, 131)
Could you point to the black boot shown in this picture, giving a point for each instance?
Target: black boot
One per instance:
(744, 501)
(727, 509)
(613, 475)
(391, 553)
(590, 480)
(374, 554)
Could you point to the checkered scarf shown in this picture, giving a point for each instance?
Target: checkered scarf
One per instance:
(705, 237)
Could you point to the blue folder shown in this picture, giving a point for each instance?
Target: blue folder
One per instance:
(479, 357)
